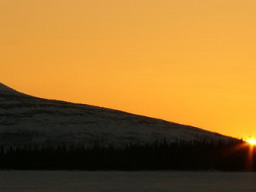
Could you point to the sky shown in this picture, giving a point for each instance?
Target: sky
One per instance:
(186, 61)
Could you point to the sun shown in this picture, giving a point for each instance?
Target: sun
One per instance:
(251, 142)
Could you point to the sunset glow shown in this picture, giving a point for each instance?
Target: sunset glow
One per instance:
(251, 142)
(191, 62)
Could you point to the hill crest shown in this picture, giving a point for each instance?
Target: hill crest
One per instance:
(27, 120)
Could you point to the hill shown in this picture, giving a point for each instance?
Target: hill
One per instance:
(38, 133)
(30, 120)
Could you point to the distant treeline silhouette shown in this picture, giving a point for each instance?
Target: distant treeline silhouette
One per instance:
(160, 155)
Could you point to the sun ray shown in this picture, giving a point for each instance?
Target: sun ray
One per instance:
(251, 142)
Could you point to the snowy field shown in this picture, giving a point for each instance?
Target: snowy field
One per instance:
(76, 181)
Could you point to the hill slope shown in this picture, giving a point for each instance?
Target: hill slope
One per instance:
(29, 120)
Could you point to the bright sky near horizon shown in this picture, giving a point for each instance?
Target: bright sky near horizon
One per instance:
(187, 61)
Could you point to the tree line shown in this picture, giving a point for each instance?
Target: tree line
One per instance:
(160, 155)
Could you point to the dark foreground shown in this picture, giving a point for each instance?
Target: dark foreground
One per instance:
(80, 181)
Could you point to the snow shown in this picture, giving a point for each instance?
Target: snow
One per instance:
(42, 121)
(113, 181)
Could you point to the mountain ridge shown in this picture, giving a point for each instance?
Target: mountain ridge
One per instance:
(26, 120)
(7, 90)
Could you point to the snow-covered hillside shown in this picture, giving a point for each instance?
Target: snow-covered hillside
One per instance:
(25, 120)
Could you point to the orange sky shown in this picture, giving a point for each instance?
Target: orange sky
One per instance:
(187, 61)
